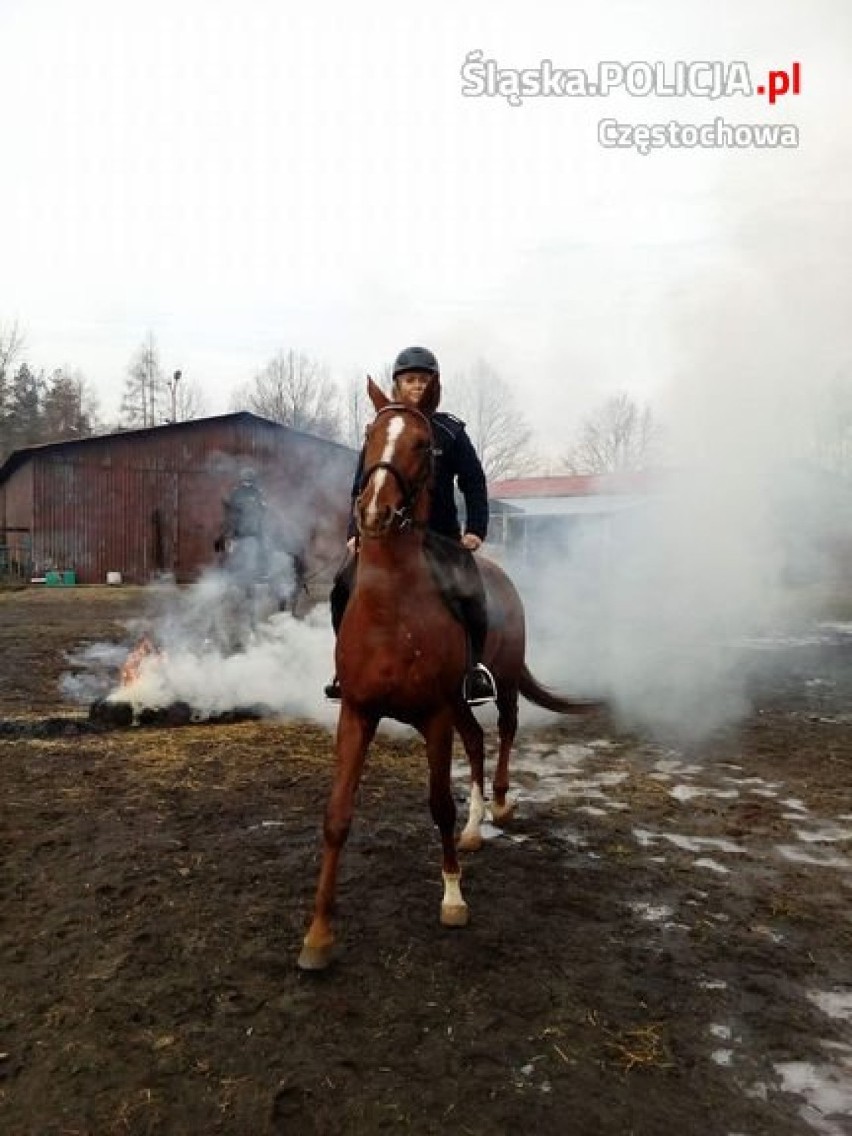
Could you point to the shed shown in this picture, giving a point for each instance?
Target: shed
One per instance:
(552, 513)
(149, 502)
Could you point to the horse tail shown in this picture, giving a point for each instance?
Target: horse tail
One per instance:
(539, 695)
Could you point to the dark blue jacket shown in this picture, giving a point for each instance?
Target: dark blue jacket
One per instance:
(455, 461)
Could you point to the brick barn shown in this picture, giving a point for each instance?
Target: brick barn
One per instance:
(147, 503)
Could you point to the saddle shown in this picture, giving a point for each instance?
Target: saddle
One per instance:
(458, 578)
(456, 575)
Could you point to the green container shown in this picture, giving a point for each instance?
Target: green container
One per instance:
(60, 579)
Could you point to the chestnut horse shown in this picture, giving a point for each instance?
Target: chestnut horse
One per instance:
(402, 654)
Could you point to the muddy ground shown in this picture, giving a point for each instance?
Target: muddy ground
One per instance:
(660, 944)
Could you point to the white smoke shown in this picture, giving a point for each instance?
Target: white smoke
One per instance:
(657, 608)
(222, 651)
(219, 650)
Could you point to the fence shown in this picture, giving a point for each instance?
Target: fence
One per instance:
(16, 562)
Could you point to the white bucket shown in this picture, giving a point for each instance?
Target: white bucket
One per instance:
(113, 578)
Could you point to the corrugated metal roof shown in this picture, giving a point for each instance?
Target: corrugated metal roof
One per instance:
(244, 417)
(599, 505)
(579, 485)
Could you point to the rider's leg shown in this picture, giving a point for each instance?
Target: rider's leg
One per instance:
(339, 598)
(479, 685)
(458, 568)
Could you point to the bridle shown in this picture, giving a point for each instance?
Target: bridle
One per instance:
(402, 517)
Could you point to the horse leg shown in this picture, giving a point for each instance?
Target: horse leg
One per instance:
(473, 740)
(354, 734)
(507, 726)
(439, 748)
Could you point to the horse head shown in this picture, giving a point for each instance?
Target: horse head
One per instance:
(398, 463)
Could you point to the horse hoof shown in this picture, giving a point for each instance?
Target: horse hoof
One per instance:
(470, 842)
(502, 814)
(454, 914)
(314, 958)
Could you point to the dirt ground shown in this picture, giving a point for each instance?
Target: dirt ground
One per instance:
(660, 944)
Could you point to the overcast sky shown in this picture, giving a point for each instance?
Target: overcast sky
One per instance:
(240, 177)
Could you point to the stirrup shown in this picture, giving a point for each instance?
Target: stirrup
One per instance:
(479, 686)
(332, 690)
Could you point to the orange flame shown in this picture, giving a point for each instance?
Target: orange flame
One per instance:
(133, 663)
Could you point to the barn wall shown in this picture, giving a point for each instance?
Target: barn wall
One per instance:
(148, 503)
(16, 512)
(18, 499)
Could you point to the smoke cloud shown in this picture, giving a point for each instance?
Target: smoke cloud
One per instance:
(657, 608)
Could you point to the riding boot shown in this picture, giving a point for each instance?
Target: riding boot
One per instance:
(479, 685)
(339, 598)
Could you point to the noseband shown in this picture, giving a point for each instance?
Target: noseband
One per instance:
(403, 516)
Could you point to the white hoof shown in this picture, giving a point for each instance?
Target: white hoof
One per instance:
(454, 914)
(315, 956)
(470, 841)
(502, 814)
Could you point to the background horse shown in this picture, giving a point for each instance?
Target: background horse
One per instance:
(402, 654)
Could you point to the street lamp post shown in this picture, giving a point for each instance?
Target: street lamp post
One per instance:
(173, 389)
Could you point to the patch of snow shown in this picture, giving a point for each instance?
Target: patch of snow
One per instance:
(834, 1003)
(711, 865)
(830, 835)
(686, 792)
(722, 1056)
(816, 857)
(759, 781)
(697, 843)
(650, 913)
(827, 1090)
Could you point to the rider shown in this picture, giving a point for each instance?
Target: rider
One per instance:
(455, 461)
(245, 525)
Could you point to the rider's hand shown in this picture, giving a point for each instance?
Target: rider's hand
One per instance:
(471, 541)
(352, 543)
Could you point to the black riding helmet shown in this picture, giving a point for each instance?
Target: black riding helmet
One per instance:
(415, 359)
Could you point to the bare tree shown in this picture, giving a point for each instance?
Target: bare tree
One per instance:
(11, 345)
(144, 400)
(358, 411)
(621, 435)
(497, 428)
(295, 390)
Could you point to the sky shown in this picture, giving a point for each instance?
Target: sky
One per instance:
(244, 177)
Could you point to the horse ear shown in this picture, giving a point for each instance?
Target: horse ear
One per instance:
(377, 396)
(431, 396)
